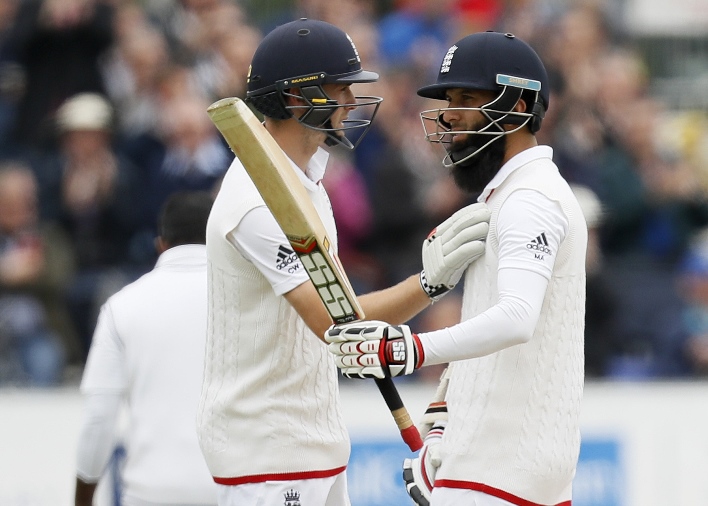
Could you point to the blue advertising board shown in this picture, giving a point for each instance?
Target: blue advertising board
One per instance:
(375, 467)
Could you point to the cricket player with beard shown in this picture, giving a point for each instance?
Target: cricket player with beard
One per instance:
(510, 435)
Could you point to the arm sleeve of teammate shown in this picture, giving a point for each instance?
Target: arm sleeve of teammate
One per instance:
(96, 436)
(103, 384)
(522, 281)
(259, 239)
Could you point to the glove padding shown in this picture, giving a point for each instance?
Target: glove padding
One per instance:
(419, 473)
(451, 247)
(374, 349)
(437, 409)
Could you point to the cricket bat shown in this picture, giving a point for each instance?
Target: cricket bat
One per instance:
(288, 201)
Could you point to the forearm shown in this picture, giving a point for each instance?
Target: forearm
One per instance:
(509, 322)
(310, 307)
(396, 304)
(84, 493)
(96, 437)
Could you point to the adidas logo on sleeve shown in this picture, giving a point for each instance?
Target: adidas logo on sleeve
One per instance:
(287, 259)
(540, 244)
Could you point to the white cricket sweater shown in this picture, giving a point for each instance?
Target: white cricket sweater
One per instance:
(514, 415)
(269, 406)
(148, 347)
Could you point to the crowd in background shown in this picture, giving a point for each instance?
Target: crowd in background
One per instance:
(102, 117)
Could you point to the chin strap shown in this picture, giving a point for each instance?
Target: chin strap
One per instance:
(336, 137)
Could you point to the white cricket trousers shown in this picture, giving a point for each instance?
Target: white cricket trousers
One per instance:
(330, 491)
(458, 496)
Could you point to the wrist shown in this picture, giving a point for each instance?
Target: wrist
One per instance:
(419, 351)
(436, 292)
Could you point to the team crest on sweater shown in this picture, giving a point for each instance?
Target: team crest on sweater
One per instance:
(292, 498)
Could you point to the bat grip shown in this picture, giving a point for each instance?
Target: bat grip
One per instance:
(409, 432)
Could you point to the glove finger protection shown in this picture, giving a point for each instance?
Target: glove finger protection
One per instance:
(437, 408)
(451, 247)
(374, 349)
(419, 473)
(465, 217)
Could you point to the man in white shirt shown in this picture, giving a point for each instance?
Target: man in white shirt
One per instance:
(270, 423)
(148, 350)
(511, 433)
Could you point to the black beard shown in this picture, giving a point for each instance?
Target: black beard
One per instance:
(473, 175)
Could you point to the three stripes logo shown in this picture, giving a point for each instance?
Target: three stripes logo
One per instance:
(287, 258)
(540, 244)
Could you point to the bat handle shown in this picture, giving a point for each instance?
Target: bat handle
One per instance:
(409, 432)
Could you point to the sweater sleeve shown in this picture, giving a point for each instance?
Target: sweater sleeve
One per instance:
(509, 322)
(96, 437)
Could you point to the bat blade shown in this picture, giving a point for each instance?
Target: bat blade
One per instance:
(288, 201)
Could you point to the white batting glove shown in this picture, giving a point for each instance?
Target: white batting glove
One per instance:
(419, 473)
(437, 409)
(374, 349)
(451, 247)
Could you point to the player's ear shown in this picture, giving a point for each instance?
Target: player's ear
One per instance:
(160, 245)
(291, 96)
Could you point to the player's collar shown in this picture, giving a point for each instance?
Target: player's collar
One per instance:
(185, 254)
(317, 165)
(315, 169)
(518, 160)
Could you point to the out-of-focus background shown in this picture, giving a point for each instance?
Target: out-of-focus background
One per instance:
(102, 116)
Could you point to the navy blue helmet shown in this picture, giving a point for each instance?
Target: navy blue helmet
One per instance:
(496, 62)
(296, 59)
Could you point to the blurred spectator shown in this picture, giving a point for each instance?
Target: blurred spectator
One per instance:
(576, 46)
(351, 207)
(93, 192)
(58, 44)
(482, 15)
(601, 340)
(342, 13)
(10, 76)
(214, 40)
(417, 34)
(654, 208)
(36, 336)
(653, 198)
(230, 61)
(133, 71)
(186, 154)
(409, 190)
(693, 283)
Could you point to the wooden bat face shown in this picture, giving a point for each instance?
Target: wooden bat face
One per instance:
(288, 201)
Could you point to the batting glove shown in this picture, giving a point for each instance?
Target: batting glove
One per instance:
(374, 349)
(419, 473)
(451, 247)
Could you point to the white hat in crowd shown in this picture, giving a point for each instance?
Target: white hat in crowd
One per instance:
(589, 204)
(85, 111)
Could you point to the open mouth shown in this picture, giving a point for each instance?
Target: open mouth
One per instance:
(457, 136)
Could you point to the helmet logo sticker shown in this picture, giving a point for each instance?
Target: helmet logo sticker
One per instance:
(447, 61)
(304, 79)
(356, 53)
(518, 82)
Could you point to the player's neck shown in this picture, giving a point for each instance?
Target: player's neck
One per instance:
(295, 140)
(518, 142)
